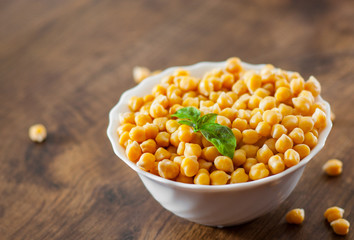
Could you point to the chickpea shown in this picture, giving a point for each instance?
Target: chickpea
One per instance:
(251, 150)
(253, 81)
(291, 158)
(237, 133)
(172, 126)
(137, 134)
(250, 136)
(302, 149)
(160, 123)
(319, 118)
(297, 135)
(271, 117)
(295, 216)
(333, 213)
(126, 127)
(306, 124)
(168, 169)
(283, 143)
(202, 178)
(249, 163)
(276, 164)
(192, 149)
(135, 103)
(224, 101)
(146, 162)
(240, 124)
(189, 166)
(163, 139)
(313, 86)
(267, 103)
(127, 117)
(227, 80)
(340, 226)
(297, 85)
(255, 119)
(264, 129)
(233, 65)
(174, 139)
(204, 164)
(223, 121)
(229, 113)
(219, 177)
(263, 154)
(239, 87)
(258, 171)
(224, 163)
(310, 140)
(282, 94)
(142, 119)
(278, 130)
(133, 151)
(254, 101)
(239, 176)
(261, 92)
(285, 110)
(290, 122)
(333, 167)
(183, 179)
(239, 157)
(185, 133)
(161, 154)
(148, 146)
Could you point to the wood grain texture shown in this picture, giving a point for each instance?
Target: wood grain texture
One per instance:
(66, 63)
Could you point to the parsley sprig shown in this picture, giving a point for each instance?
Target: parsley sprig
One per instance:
(219, 135)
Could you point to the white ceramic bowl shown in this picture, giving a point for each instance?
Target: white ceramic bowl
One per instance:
(223, 205)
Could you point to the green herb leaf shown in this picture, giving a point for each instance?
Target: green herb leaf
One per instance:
(186, 122)
(190, 113)
(208, 118)
(221, 136)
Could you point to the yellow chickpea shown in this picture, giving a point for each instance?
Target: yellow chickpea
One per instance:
(291, 158)
(223, 121)
(283, 143)
(261, 92)
(297, 85)
(333, 167)
(142, 119)
(239, 176)
(285, 110)
(224, 101)
(174, 139)
(146, 162)
(310, 140)
(333, 213)
(258, 171)
(244, 114)
(253, 81)
(290, 122)
(271, 117)
(175, 108)
(185, 133)
(204, 164)
(159, 89)
(229, 113)
(210, 153)
(320, 119)
(295, 216)
(135, 103)
(238, 134)
(276, 164)
(202, 178)
(172, 126)
(227, 80)
(267, 103)
(271, 144)
(278, 130)
(239, 157)
(297, 135)
(162, 100)
(127, 117)
(137, 134)
(161, 154)
(189, 166)
(313, 86)
(192, 149)
(157, 110)
(126, 127)
(205, 87)
(249, 163)
(302, 104)
(163, 139)
(188, 83)
(269, 87)
(263, 154)
(183, 179)
(254, 101)
(340, 226)
(224, 163)
(250, 136)
(133, 151)
(239, 87)
(264, 129)
(255, 119)
(251, 150)
(219, 177)
(306, 124)
(240, 124)
(233, 65)
(123, 139)
(282, 94)
(302, 149)
(168, 169)
(151, 131)
(161, 123)
(148, 146)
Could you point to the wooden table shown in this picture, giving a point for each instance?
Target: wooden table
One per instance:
(66, 63)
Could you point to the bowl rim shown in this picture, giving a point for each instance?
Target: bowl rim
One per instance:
(120, 151)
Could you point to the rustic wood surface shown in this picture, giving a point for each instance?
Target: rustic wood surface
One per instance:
(66, 63)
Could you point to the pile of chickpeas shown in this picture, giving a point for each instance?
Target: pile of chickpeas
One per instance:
(273, 114)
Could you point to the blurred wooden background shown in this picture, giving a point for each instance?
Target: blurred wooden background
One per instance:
(66, 63)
